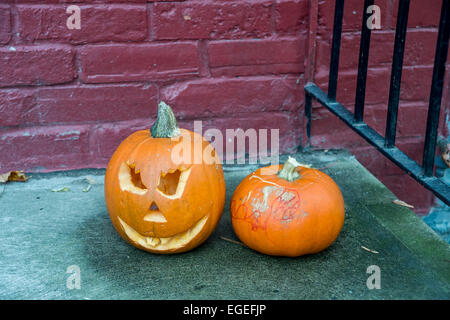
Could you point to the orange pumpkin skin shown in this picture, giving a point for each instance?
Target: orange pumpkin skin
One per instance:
(276, 217)
(201, 201)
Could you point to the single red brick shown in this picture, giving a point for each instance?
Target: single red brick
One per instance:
(44, 148)
(218, 97)
(291, 16)
(209, 20)
(94, 103)
(13, 104)
(98, 23)
(36, 65)
(380, 52)
(416, 83)
(411, 119)
(5, 24)
(353, 13)
(118, 63)
(421, 13)
(250, 57)
(377, 85)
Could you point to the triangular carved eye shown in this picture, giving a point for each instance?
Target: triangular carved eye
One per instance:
(130, 179)
(171, 184)
(168, 183)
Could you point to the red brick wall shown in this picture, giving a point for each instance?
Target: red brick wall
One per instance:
(68, 97)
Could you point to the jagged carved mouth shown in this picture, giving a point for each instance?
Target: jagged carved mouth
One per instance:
(174, 242)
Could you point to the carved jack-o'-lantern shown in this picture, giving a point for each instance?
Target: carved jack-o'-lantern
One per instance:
(158, 204)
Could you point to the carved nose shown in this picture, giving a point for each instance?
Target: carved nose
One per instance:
(154, 214)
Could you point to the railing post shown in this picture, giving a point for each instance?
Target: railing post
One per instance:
(436, 90)
(362, 64)
(396, 72)
(335, 49)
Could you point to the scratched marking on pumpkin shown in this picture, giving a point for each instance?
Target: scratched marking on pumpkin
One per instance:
(284, 208)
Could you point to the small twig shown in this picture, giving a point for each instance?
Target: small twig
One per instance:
(62, 189)
(369, 250)
(233, 241)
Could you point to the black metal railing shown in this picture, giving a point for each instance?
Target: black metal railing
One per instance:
(386, 145)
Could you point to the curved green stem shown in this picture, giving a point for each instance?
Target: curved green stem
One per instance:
(165, 125)
(289, 171)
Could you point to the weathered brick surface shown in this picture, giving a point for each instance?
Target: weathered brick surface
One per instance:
(212, 20)
(93, 103)
(353, 11)
(421, 13)
(14, 103)
(99, 23)
(36, 65)
(44, 148)
(220, 97)
(148, 62)
(250, 57)
(5, 24)
(291, 16)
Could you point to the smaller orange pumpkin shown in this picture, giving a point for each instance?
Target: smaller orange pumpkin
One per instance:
(288, 210)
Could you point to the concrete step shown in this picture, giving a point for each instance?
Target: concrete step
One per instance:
(43, 233)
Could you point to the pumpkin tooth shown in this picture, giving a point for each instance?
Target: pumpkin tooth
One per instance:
(152, 241)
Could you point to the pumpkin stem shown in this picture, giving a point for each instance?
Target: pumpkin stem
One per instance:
(289, 171)
(165, 125)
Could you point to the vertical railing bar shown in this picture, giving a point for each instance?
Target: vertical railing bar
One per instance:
(396, 72)
(362, 64)
(436, 90)
(335, 49)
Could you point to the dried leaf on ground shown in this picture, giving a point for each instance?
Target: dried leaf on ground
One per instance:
(402, 203)
(13, 176)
